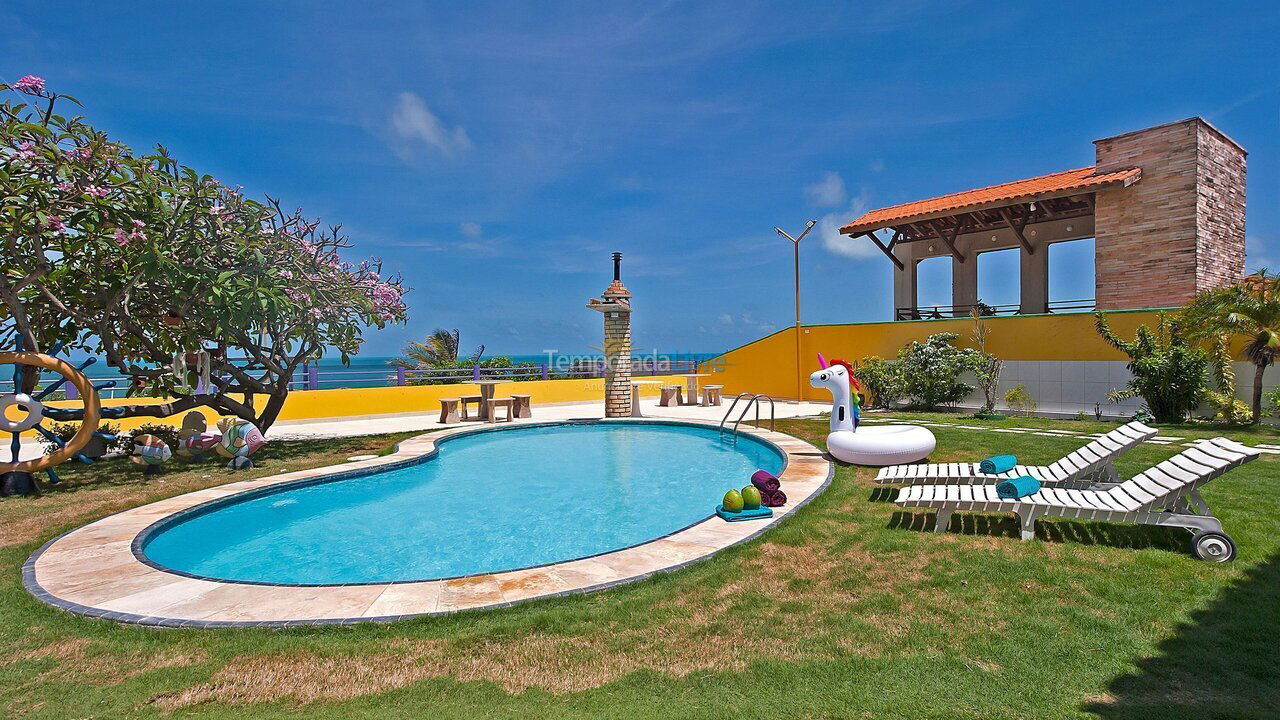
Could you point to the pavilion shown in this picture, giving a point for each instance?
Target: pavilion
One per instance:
(1165, 206)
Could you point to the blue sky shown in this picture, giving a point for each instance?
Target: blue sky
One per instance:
(496, 153)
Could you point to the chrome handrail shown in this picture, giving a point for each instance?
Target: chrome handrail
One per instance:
(754, 400)
(729, 412)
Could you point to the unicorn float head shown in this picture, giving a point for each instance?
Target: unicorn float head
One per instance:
(837, 376)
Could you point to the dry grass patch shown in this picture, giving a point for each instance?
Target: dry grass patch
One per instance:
(698, 629)
(556, 664)
(84, 660)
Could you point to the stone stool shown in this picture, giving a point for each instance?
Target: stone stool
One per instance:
(500, 403)
(521, 405)
(711, 394)
(448, 410)
(466, 400)
(671, 395)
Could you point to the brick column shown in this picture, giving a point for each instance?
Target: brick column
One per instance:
(615, 303)
(1178, 230)
(617, 357)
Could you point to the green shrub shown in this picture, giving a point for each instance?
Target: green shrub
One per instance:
(1273, 401)
(167, 433)
(1226, 407)
(1169, 373)
(1019, 400)
(65, 431)
(986, 366)
(931, 371)
(882, 379)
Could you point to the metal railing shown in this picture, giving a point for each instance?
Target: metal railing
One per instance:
(939, 312)
(754, 400)
(315, 378)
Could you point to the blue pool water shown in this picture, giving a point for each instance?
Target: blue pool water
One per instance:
(489, 502)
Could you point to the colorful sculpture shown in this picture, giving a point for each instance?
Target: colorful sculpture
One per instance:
(150, 452)
(878, 446)
(240, 440)
(195, 439)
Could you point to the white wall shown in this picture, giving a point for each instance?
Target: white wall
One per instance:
(1066, 387)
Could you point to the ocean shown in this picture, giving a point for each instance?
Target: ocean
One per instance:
(377, 371)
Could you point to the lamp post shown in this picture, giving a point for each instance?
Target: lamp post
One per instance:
(795, 244)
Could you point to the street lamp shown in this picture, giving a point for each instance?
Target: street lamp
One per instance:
(795, 244)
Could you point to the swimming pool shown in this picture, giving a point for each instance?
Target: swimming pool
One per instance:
(489, 502)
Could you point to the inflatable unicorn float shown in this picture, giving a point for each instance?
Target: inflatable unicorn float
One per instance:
(879, 446)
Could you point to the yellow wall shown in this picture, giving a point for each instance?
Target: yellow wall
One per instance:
(768, 365)
(356, 402)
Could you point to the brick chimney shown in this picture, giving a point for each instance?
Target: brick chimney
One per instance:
(615, 303)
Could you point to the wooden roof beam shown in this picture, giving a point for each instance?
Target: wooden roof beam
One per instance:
(887, 250)
(1017, 227)
(951, 241)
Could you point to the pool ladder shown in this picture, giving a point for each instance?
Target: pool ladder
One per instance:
(753, 400)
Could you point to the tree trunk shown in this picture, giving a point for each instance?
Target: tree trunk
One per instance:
(270, 411)
(1258, 370)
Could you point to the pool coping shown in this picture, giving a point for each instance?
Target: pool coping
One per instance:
(98, 570)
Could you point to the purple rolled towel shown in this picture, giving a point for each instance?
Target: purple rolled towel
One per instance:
(777, 498)
(765, 482)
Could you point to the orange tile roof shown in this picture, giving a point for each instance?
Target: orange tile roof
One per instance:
(1052, 185)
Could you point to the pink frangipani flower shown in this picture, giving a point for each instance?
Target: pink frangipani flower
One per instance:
(30, 84)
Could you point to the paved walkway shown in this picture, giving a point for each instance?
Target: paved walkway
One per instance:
(348, 427)
(375, 425)
(1157, 440)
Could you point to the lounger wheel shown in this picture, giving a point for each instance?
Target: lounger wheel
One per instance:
(1213, 547)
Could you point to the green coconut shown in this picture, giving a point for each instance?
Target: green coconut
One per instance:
(733, 501)
(750, 497)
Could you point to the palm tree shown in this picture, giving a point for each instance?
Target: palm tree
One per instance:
(439, 351)
(1250, 309)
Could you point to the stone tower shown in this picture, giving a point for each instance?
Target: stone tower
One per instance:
(615, 303)
(1178, 231)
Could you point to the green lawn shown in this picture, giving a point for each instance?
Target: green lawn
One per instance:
(848, 609)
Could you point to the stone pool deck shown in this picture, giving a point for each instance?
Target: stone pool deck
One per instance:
(98, 571)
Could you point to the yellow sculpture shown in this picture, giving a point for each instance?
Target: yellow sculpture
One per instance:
(30, 411)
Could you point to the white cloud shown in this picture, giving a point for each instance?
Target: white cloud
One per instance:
(415, 127)
(470, 229)
(1258, 254)
(826, 192)
(726, 319)
(829, 231)
(876, 165)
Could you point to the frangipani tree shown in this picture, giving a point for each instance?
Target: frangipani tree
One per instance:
(1248, 309)
(138, 258)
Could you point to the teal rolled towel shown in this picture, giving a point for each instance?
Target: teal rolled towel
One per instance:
(998, 464)
(1017, 488)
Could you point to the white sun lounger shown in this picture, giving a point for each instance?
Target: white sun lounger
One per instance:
(1166, 494)
(1091, 462)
